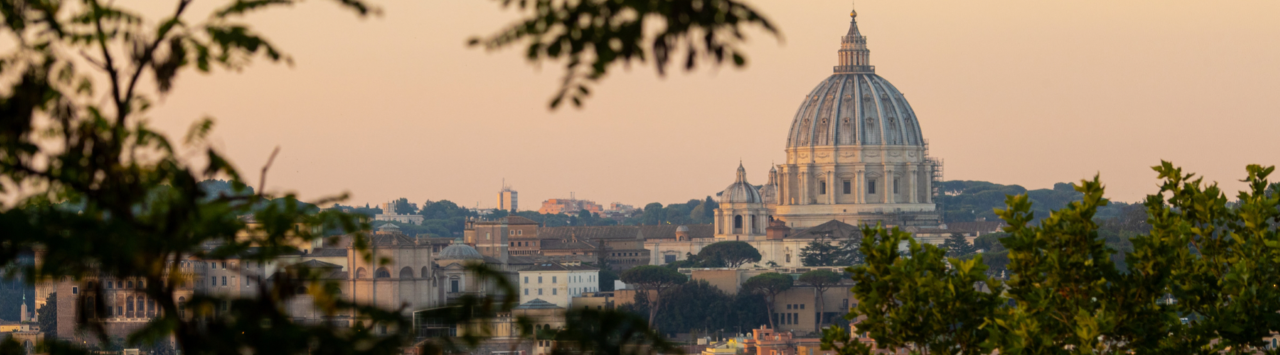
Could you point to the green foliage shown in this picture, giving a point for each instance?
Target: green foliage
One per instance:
(608, 332)
(1059, 279)
(402, 206)
(1195, 256)
(606, 277)
(104, 196)
(47, 316)
(698, 306)
(655, 279)
(965, 201)
(769, 285)
(729, 254)
(822, 252)
(1227, 277)
(608, 33)
(10, 346)
(957, 245)
(653, 214)
(920, 298)
(821, 280)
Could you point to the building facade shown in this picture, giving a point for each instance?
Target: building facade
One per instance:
(557, 283)
(508, 199)
(569, 206)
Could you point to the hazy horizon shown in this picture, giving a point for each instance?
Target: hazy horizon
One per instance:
(1011, 92)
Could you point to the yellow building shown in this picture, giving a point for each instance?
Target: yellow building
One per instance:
(730, 347)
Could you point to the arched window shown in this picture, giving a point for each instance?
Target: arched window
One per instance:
(737, 221)
(754, 228)
(382, 273)
(361, 273)
(406, 273)
(128, 307)
(424, 272)
(182, 302)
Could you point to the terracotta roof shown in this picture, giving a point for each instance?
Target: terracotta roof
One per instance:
(557, 244)
(588, 233)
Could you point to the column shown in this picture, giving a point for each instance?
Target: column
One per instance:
(803, 199)
(784, 198)
(888, 185)
(831, 187)
(719, 222)
(784, 186)
(860, 196)
(915, 183)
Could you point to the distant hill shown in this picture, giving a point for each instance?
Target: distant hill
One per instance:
(967, 201)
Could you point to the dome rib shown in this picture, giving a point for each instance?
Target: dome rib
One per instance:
(880, 114)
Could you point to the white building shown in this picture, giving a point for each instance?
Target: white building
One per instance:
(557, 283)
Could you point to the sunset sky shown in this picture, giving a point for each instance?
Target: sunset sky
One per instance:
(1008, 91)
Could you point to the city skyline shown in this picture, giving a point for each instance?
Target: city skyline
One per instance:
(1073, 73)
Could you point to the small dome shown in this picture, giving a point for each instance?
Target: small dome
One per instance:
(682, 228)
(740, 191)
(388, 227)
(459, 252)
(769, 194)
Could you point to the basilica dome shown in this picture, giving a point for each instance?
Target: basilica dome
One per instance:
(854, 106)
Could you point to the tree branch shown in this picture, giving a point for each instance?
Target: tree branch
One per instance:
(262, 182)
(110, 67)
(149, 52)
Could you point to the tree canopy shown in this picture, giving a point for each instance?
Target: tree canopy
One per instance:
(1201, 279)
(822, 252)
(729, 253)
(654, 279)
(594, 35)
(957, 245)
(821, 280)
(103, 196)
(769, 285)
